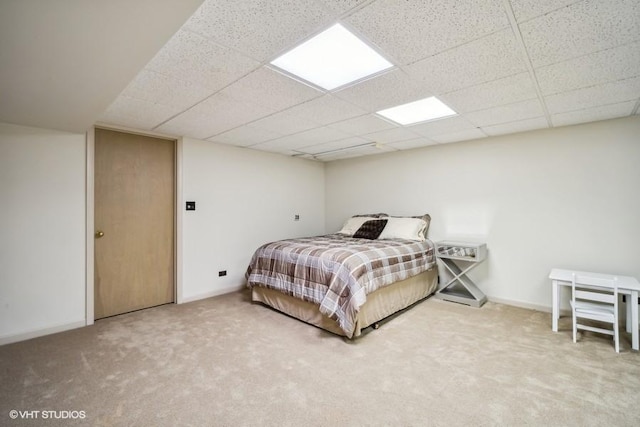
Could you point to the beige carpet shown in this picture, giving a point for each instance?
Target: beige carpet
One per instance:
(226, 362)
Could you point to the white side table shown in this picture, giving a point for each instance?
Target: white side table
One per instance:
(461, 288)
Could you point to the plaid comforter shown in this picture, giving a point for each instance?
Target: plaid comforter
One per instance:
(337, 271)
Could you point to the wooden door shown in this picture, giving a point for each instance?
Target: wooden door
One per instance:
(134, 222)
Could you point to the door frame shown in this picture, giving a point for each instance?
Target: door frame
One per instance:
(90, 210)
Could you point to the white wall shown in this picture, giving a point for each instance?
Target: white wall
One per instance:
(244, 199)
(42, 231)
(561, 197)
(566, 197)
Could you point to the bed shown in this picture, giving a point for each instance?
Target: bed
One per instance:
(344, 282)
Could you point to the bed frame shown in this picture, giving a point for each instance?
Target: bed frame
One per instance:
(380, 304)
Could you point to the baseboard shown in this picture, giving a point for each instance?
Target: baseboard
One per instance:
(8, 339)
(520, 304)
(542, 308)
(215, 293)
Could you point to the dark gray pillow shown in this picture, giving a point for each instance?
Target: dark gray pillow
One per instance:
(370, 229)
(377, 215)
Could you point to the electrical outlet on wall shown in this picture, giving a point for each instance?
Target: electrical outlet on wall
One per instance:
(296, 217)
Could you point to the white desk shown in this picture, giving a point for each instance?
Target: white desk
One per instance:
(626, 285)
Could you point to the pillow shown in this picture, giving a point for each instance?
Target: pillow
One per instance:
(405, 228)
(426, 218)
(353, 224)
(378, 215)
(370, 229)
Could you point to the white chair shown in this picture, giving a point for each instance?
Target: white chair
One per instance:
(627, 300)
(597, 302)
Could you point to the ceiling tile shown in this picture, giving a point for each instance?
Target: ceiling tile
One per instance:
(213, 116)
(605, 66)
(261, 29)
(285, 123)
(416, 29)
(581, 28)
(489, 58)
(506, 113)
(304, 139)
(211, 81)
(269, 149)
(387, 90)
(442, 126)
(603, 112)
(412, 143)
(326, 110)
(334, 145)
(271, 89)
(363, 125)
(341, 6)
(244, 136)
(162, 89)
(136, 113)
(463, 135)
(524, 10)
(193, 58)
(508, 90)
(609, 93)
(392, 135)
(514, 127)
(190, 125)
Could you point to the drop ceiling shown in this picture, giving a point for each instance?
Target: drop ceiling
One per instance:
(504, 66)
(63, 62)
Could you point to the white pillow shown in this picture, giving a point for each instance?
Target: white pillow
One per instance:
(354, 223)
(404, 228)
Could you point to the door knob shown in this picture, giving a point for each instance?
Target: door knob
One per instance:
(99, 234)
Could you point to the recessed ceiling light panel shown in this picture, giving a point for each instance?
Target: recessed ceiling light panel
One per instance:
(418, 111)
(332, 59)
